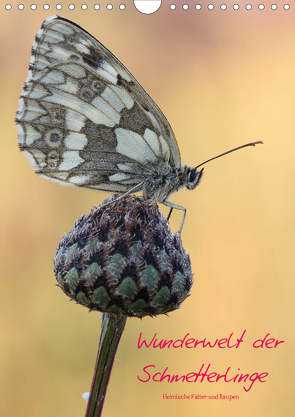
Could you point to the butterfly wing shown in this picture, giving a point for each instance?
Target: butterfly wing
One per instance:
(84, 119)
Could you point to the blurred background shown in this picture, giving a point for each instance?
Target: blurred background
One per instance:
(222, 78)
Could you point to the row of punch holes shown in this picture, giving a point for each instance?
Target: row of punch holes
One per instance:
(172, 7)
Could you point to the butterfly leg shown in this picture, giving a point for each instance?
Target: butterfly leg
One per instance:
(175, 206)
(170, 212)
(144, 192)
(124, 195)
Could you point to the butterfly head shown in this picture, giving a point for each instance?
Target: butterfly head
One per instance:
(193, 178)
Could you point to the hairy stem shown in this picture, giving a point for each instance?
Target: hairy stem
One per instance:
(111, 330)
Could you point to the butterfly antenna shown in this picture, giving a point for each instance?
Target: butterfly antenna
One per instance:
(232, 150)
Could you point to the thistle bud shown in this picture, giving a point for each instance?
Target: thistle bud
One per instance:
(122, 259)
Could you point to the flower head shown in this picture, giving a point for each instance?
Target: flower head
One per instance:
(122, 259)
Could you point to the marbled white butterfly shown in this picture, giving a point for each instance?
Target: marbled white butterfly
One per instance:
(84, 120)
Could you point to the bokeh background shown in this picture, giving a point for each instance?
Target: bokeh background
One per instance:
(222, 78)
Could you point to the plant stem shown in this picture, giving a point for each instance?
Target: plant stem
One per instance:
(111, 330)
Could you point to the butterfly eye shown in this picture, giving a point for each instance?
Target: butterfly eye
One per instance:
(192, 175)
(193, 178)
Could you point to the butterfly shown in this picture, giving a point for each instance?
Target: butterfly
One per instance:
(84, 120)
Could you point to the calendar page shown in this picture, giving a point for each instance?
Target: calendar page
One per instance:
(134, 97)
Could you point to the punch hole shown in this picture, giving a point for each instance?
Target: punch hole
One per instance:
(8, 6)
(287, 6)
(109, 6)
(223, 6)
(122, 7)
(96, 7)
(58, 7)
(261, 7)
(248, 6)
(210, 6)
(172, 7)
(71, 6)
(198, 7)
(147, 6)
(274, 7)
(185, 6)
(84, 6)
(21, 7)
(33, 6)
(46, 6)
(236, 7)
